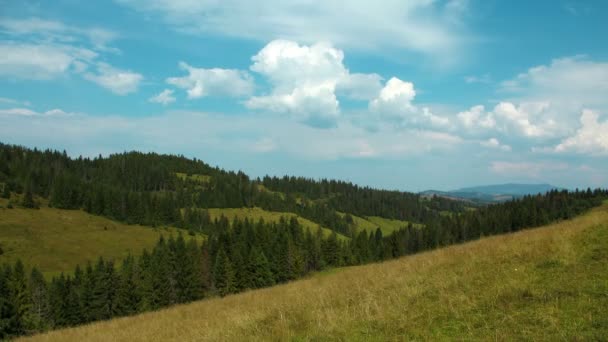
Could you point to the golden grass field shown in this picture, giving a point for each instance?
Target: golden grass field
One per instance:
(548, 284)
(56, 240)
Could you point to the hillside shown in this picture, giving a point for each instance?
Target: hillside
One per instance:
(56, 240)
(548, 283)
(255, 214)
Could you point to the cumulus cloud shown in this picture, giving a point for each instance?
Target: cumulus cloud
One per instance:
(120, 82)
(395, 99)
(165, 97)
(202, 82)
(430, 28)
(394, 104)
(305, 81)
(591, 137)
(528, 119)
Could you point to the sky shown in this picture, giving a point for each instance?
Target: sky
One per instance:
(409, 95)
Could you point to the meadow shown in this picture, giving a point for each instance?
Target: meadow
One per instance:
(548, 283)
(56, 240)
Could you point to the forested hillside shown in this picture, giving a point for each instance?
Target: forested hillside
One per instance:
(150, 189)
(239, 254)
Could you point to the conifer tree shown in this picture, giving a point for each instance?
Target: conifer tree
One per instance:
(38, 292)
(259, 268)
(20, 297)
(223, 274)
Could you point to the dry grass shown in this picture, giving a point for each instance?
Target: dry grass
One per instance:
(548, 284)
(56, 240)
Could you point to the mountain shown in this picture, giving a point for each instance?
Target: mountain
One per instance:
(492, 193)
(513, 189)
(520, 286)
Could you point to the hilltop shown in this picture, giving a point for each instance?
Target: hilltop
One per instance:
(543, 284)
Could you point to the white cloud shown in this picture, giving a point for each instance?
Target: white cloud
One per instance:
(28, 112)
(42, 49)
(571, 82)
(305, 81)
(55, 31)
(395, 99)
(40, 61)
(484, 79)
(526, 169)
(394, 104)
(165, 97)
(591, 137)
(431, 28)
(494, 143)
(529, 119)
(202, 82)
(10, 101)
(477, 118)
(120, 82)
(259, 134)
(359, 86)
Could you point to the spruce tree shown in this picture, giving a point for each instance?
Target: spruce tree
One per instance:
(20, 297)
(259, 268)
(223, 274)
(7, 308)
(38, 292)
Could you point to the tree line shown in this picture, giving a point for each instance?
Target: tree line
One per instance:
(242, 255)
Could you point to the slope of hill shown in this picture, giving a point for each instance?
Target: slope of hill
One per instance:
(548, 283)
(56, 240)
(492, 193)
(255, 214)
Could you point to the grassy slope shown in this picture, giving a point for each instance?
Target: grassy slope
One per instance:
(388, 225)
(543, 284)
(371, 223)
(269, 216)
(57, 240)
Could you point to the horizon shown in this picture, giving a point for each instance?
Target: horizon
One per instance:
(409, 96)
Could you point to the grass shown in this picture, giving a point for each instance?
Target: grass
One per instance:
(548, 284)
(256, 214)
(371, 223)
(56, 240)
(389, 225)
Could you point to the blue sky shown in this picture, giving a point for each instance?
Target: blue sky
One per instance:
(406, 95)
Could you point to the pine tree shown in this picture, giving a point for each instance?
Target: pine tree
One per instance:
(127, 294)
(259, 268)
(39, 300)
(21, 301)
(7, 309)
(223, 274)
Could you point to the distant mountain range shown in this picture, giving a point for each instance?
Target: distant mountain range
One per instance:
(492, 193)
